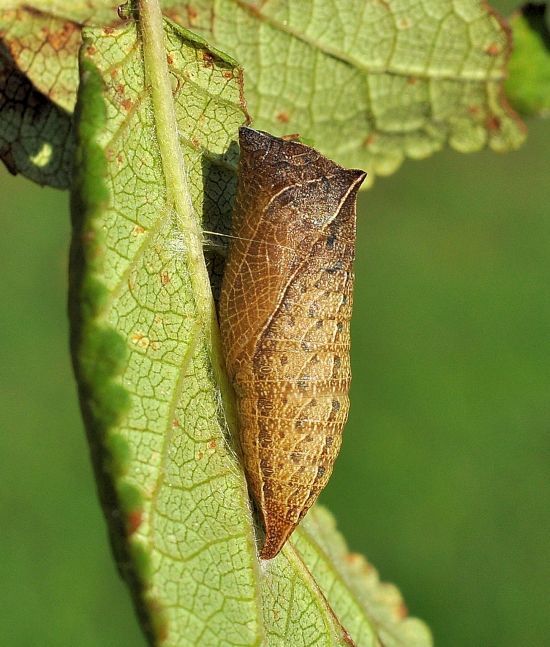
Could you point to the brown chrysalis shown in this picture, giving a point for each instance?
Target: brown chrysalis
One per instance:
(285, 307)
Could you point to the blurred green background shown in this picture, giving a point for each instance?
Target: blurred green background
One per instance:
(444, 476)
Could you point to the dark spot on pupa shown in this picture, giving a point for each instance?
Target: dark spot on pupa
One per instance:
(319, 324)
(320, 471)
(265, 405)
(331, 240)
(339, 326)
(334, 268)
(337, 362)
(283, 359)
(336, 405)
(296, 457)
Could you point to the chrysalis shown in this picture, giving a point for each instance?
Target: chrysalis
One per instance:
(285, 307)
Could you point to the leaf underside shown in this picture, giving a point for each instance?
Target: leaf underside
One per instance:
(170, 480)
(368, 83)
(36, 136)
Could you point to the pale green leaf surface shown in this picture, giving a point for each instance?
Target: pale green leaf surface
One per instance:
(372, 611)
(162, 432)
(97, 12)
(39, 82)
(35, 135)
(370, 83)
(171, 484)
(44, 49)
(367, 82)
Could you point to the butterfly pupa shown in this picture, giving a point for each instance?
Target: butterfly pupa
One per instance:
(285, 308)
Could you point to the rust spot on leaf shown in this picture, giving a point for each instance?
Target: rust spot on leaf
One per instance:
(159, 620)
(140, 339)
(213, 444)
(208, 59)
(282, 117)
(493, 49)
(170, 59)
(165, 278)
(134, 521)
(175, 423)
(354, 559)
(138, 229)
(402, 611)
(108, 30)
(369, 140)
(347, 638)
(405, 23)
(91, 50)
(59, 38)
(228, 74)
(88, 237)
(192, 15)
(127, 104)
(412, 80)
(493, 123)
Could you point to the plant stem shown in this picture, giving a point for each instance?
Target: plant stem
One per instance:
(178, 195)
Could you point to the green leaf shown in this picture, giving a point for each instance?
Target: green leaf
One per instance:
(369, 609)
(39, 82)
(35, 135)
(44, 48)
(156, 132)
(95, 12)
(368, 83)
(528, 86)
